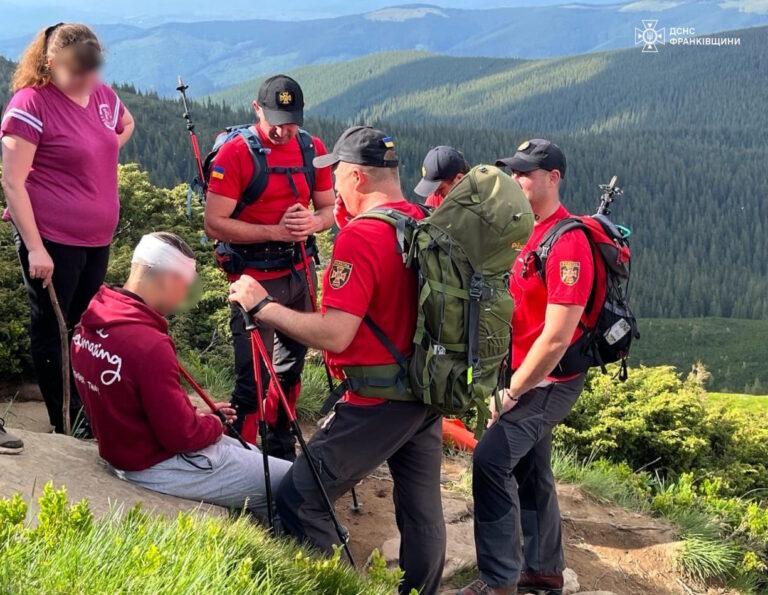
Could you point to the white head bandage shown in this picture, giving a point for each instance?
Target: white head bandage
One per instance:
(155, 253)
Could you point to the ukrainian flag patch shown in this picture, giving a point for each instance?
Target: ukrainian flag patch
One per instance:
(388, 142)
(217, 172)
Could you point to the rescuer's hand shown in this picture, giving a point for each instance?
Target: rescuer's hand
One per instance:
(247, 292)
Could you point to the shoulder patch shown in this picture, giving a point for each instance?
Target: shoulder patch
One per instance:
(340, 273)
(569, 271)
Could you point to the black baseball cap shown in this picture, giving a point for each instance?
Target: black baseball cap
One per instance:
(282, 100)
(536, 153)
(441, 163)
(362, 145)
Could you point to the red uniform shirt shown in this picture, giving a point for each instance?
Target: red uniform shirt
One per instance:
(570, 274)
(367, 276)
(234, 170)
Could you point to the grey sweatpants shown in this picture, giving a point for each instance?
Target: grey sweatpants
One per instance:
(514, 488)
(352, 443)
(223, 473)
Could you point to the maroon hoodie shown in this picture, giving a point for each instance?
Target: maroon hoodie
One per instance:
(127, 375)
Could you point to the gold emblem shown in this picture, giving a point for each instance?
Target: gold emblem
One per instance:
(285, 97)
(340, 273)
(569, 271)
(423, 171)
(524, 146)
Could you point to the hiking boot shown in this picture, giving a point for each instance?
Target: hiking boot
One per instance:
(540, 584)
(480, 587)
(9, 444)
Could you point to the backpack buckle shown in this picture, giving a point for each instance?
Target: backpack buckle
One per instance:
(476, 286)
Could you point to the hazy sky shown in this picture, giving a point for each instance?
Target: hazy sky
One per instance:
(154, 11)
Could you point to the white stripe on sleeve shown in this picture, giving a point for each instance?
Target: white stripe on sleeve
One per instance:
(117, 112)
(24, 117)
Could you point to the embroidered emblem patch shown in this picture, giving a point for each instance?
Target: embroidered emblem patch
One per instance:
(340, 273)
(569, 271)
(523, 146)
(285, 98)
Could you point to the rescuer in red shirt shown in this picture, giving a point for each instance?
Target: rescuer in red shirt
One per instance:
(263, 240)
(442, 169)
(367, 291)
(512, 479)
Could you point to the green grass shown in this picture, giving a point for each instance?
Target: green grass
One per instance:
(71, 552)
(734, 351)
(713, 550)
(753, 403)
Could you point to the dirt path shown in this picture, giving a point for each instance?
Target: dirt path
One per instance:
(609, 548)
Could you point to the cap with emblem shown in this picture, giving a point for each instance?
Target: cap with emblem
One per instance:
(440, 165)
(536, 153)
(361, 145)
(282, 100)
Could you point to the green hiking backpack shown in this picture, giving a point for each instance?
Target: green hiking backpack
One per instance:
(463, 253)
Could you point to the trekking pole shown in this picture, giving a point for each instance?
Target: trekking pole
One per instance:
(182, 88)
(212, 406)
(64, 341)
(258, 344)
(262, 422)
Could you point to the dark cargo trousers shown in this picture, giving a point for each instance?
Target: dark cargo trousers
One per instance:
(351, 444)
(287, 355)
(514, 488)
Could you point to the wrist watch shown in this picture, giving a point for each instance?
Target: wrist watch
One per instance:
(261, 305)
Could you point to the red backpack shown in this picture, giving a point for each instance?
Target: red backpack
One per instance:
(610, 325)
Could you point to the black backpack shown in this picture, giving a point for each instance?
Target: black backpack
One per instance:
(609, 341)
(261, 171)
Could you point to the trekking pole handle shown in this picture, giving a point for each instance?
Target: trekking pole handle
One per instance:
(250, 323)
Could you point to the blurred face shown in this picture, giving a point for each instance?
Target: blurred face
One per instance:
(279, 135)
(70, 80)
(446, 185)
(346, 184)
(538, 185)
(170, 291)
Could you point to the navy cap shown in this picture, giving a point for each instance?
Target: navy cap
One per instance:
(440, 165)
(282, 100)
(536, 153)
(361, 145)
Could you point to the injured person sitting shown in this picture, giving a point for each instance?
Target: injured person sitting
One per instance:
(127, 374)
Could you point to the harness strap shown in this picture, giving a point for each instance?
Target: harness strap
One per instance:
(385, 381)
(476, 292)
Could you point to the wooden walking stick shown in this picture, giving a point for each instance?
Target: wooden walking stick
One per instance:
(64, 339)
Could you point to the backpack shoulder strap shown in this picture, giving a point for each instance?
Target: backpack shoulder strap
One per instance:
(308, 154)
(260, 177)
(548, 241)
(400, 221)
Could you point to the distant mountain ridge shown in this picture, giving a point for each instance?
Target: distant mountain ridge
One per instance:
(218, 54)
(680, 87)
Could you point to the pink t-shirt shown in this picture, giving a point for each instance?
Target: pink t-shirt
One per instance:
(73, 181)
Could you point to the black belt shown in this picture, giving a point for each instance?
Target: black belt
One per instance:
(265, 256)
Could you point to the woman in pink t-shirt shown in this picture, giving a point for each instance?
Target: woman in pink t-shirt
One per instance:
(61, 134)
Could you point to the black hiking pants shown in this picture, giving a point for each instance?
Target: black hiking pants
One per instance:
(352, 442)
(287, 356)
(514, 488)
(78, 272)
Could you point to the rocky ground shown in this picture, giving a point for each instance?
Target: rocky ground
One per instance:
(608, 549)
